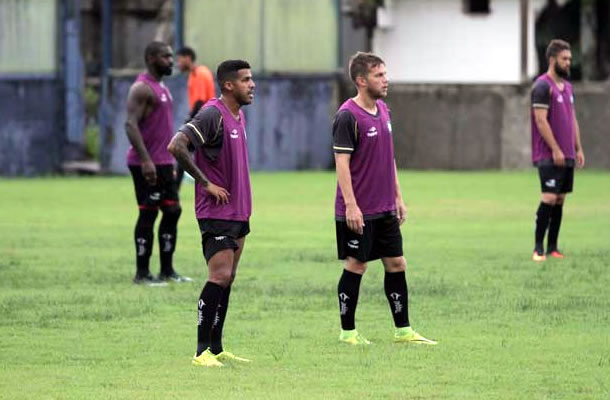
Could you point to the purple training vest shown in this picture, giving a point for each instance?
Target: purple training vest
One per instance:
(561, 119)
(157, 128)
(372, 163)
(230, 170)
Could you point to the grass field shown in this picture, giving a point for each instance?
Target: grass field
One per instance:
(73, 326)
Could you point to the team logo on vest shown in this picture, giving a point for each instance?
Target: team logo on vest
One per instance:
(372, 132)
(572, 99)
(234, 134)
(390, 126)
(560, 99)
(163, 97)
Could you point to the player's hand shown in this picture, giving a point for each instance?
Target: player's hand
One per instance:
(401, 211)
(150, 172)
(580, 159)
(220, 194)
(354, 219)
(558, 158)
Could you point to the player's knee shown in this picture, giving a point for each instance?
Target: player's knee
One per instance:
(549, 198)
(221, 277)
(396, 265)
(147, 217)
(560, 199)
(355, 266)
(172, 211)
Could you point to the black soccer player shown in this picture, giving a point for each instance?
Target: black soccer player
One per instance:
(149, 127)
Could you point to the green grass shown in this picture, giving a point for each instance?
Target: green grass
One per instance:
(72, 326)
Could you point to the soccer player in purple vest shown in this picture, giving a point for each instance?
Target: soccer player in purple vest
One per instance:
(223, 202)
(556, 146)
(149, 127)
(369, 208)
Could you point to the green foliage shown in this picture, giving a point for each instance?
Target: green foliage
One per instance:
(72, 326)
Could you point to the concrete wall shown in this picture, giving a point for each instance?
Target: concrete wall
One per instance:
(288, 125)
(31, 127)
(484, 126)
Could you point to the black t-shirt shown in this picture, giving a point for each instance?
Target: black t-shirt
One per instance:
(345, 137)
(205, 131)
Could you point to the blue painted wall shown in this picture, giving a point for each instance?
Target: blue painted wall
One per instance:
(288, 124)
(32, 126)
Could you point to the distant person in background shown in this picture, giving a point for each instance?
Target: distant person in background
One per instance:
(200, 87)
(200, 83)
(369, 208)
(149, 127)
(556, 146)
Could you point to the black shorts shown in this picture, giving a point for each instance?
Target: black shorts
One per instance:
(381, 237)
(163, 193)
(221, 234)
(555, 179)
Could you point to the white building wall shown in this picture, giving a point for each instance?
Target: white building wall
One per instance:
(435, 41)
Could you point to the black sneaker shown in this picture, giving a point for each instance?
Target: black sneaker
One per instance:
(148, 280)
(174, 277)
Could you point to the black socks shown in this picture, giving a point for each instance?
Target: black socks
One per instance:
(348, 289)
(167, 239)
(143, 238)
(554, 226)
(219, 321)
(543, 216)
(206, 314)
(395, 285)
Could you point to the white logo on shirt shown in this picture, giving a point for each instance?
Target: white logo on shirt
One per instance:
(560, 99)
(372, 132)
(234, 134)
(163, 97)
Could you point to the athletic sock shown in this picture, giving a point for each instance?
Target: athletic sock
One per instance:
(167, 240)
(143, 238)
(348, 289)
(395, 285)
(554, 226)
(219, 321)
(206, 313)
(543, 216)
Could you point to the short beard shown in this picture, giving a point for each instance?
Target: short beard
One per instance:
(164, 70)
(375, 95)
(563, 74)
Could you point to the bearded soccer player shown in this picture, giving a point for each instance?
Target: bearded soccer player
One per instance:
(223, 202)
(369, 208)
(149, 128)
(556, 147)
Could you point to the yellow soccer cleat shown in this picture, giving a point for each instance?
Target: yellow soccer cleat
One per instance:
(408, 335)
(206, 359)
(228, 356)
(353, 337)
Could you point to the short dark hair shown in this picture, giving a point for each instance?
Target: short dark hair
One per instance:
(153, 48)
(187, 52)
(227, 70)
(360, 64)
(555, 47)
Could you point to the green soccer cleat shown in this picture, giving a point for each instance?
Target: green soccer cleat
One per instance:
(228, 356)
(408, 335)
(353, 337)
(206, 359)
